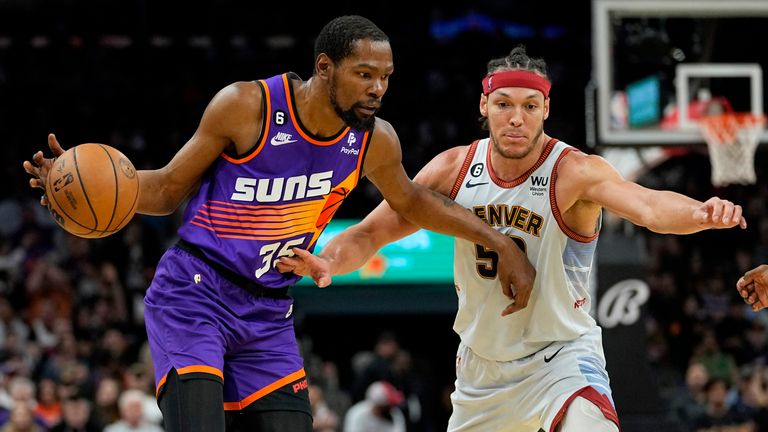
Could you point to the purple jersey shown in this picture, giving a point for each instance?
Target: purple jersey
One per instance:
(253, 208)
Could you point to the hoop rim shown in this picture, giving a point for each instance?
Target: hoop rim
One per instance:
(741, 118)
(725, 128)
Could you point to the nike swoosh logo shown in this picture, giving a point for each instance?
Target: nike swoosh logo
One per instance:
(276, 142)
(549, 359)
(471, 185)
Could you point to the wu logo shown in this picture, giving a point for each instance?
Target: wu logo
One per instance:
(351, 140)
(539, 181)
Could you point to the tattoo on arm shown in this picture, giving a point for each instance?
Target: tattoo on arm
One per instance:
(447, 202)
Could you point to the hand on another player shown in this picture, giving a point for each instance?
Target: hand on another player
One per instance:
(40, 166)
(516, 275)
(719, 213)
(304, 263)
(753, 287)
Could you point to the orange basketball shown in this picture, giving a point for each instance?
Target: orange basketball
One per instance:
(92, 190)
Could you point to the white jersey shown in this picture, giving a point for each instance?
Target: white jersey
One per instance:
(526, 210)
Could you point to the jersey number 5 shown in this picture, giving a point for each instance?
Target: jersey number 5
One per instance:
(488, 259)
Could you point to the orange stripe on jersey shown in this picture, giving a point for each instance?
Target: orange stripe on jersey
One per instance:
(232, 406)
(190, 369)
(265, 234)
(289, 100)
(463, 171)
(263, 206)
(231, 236)
(268, 218)
(269, 210)
(249, 233)
(267, 120)
(265, 228)
(200, 369)
(556, 210)
(257, 218)
(160, 385)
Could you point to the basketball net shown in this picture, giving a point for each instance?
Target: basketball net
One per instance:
(732, 140)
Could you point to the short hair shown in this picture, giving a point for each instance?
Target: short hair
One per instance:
(338, 37)
(517, 59)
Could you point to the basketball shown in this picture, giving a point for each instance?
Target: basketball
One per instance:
(92, 190)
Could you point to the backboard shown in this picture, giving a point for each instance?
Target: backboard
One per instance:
(657, 64)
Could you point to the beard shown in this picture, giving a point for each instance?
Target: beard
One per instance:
(349, 116)
(521, 153)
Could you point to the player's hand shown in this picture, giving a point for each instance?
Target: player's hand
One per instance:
(304, 263)
(40, 165)
(753, 287)
(719, 213)
(516, 275)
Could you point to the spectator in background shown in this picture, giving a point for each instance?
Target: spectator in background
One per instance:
(689, 402)
(753, 395)
(11, 324)
(378, 412)
(718, 363)
(105, 409)
(22, 420)
(379, 367)
(76, 413)
(138, 376)
(132, 418)
(719, 416)
(48, 409)
(323, 418)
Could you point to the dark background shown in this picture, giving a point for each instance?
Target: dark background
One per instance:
(138, 74)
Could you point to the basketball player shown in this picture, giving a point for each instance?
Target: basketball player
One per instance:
(753, 287)
(272, 160)
(542, 368)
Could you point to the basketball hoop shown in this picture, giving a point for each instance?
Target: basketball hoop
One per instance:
(732, 140)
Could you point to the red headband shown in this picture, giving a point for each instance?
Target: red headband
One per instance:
(516, 78)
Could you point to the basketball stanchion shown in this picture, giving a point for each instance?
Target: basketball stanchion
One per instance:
(732, 139)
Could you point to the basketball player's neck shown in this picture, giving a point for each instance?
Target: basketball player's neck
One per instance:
(314, 109)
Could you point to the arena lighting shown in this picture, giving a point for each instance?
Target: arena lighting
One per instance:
(447, 29)
(121, 41)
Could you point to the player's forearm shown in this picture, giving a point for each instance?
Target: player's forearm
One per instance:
(348, 251)
(436, 212)
(672, 213)
(157, 196)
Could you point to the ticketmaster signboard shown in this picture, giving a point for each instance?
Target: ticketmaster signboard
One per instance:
(423, 257)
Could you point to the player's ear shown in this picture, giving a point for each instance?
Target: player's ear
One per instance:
(546, 108)
(483, 105)
(323, 66)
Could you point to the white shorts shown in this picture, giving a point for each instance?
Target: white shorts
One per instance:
(531, 393)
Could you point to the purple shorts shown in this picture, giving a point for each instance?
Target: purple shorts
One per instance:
(199, 322)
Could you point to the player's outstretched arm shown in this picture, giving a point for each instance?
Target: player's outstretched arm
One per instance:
(753, 287)
(591, 179)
